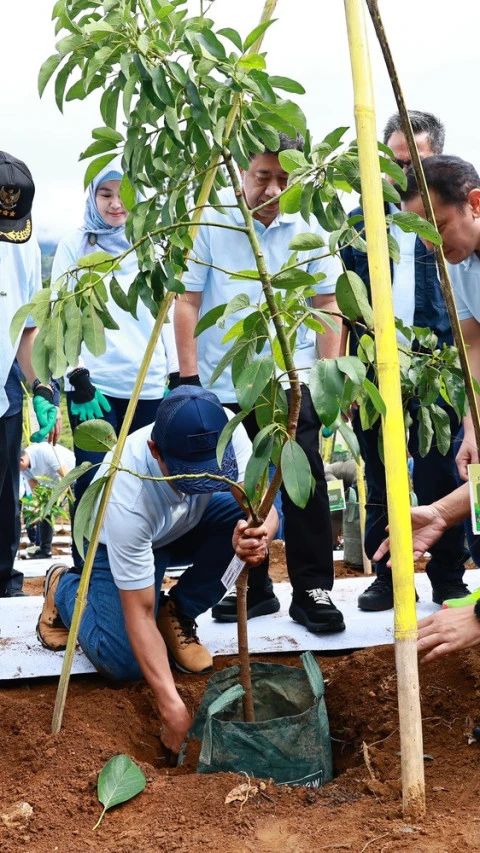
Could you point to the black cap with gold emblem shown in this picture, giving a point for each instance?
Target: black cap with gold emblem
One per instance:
(16, 196)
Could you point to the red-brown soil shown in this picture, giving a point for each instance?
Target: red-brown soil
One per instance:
(183, 812)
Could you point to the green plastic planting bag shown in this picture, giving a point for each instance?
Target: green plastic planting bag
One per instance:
(289, 741)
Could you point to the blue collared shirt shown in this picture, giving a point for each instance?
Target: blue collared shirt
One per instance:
(466, 287)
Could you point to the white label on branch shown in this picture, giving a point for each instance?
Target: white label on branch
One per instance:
(234, 568)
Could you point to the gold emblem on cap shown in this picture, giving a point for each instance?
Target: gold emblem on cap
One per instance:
(18, 236)
(9, 198)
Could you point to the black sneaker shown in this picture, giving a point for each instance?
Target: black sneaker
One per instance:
(260, 602)
(450, 589)
(379, 595)
(40, 555)
(315, 609)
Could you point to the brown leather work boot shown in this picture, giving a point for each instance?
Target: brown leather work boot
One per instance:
(50, 629)
(185, 650)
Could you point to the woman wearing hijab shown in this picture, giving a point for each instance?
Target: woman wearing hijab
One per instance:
(101, 386)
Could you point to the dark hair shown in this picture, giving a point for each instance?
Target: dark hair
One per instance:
(451, 177)
(287, 143)
(421, 123)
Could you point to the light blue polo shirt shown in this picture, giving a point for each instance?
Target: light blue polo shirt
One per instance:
(465, 278)
(20, 278)
(231, 250)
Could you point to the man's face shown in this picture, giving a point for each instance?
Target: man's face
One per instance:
(24, 462)
(401, 151)
(264, 180)
(460, 228)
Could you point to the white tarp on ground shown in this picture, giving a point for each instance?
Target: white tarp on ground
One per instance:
(22, 656)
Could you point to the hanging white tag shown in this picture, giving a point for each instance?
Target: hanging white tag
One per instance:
(232, 572)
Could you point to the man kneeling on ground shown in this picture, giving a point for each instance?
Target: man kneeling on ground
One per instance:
(130, 628)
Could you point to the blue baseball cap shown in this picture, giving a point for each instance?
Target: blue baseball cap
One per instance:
(186, 431)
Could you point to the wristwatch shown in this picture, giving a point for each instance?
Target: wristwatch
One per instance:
(476, 609)
(35, 384)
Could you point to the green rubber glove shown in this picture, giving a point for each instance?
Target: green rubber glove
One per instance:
(87, 401)
(46, 414)
(462, 602)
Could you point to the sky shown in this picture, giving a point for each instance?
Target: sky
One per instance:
(432, 51)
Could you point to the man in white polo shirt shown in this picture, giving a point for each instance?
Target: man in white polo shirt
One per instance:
(46, 464)
(128, 625)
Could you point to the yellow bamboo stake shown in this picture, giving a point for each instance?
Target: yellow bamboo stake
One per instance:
(413, 783)
(81, 597)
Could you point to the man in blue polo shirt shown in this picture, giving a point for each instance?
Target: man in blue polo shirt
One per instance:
(307, 532)
(129, 626)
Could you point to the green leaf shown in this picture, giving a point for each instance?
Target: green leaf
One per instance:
(292, 159)
(350, 439)
(441, 424)
(93, 331)
(73, 332)
(102, 261)
(18, 322)
(40, 356)
(389, 192)
(253, 380)
(46, 71)
(333, 139)
(238, 302)
(256, 472)
(212, 44)
(408, 222)
(127, 193)
(290, 200)
(326, 387)
(96, 166)
(352, 297)
(393, 249)
(255, 34)
(394, 170)
(96, 435)
(352, 367)
(60, 487)
(290, 279)
(227, 433)
(107, 133)
(232, 35)
(375, 396)
(252, 60)
(118, 782)
(161, 87)
(118, 294)
(366, 349)
(425, 431)
(306, 241)
(209, 319)
(296, 473)
(85, 513)
(287, 84)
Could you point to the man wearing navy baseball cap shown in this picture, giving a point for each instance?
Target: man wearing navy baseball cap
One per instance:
(129, 626)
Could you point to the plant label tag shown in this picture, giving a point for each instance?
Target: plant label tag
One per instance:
(234, 568)
(474, 485)
(336, 495)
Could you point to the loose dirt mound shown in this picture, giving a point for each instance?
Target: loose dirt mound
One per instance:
(180, 811)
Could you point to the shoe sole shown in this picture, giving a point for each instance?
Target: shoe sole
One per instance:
(264, 608)
(175, 665)
(46, 585)
(298, 616)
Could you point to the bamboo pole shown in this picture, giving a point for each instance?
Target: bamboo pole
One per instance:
(81, 597)
(444, 277)
(413, 783)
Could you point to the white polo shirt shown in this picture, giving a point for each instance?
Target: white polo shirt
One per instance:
(143, 515)
(20, 278)
(46, 460)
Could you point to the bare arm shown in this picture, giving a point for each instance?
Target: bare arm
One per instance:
(185, 318)
(328, 344)
(24, 353)
(151, 653)
(468, 452)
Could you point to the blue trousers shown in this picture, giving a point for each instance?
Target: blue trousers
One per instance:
(208, 547)
(144, 415)
(10, 441)
(433, 478)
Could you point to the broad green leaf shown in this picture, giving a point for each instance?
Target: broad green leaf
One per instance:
(296, 473)
(96, 166)
(127, 193)
(408, 222)
(352, 297)
(84, 513)
(96, 435)
(46, 71)
(227, 433)
(209, 319)
(255, 34)
(306, 242)
(425, 431)
(63, 484)
(287, 84)
(350, 439)
(292, 159)
(161, 87)
(252, 60)
(441, 425)
(212, 44)
(394, 170)
(366, 349)
(352, 367)
(93, 331)
(40, 306)
(375, 396)
(256, 472)
(54, 342)
(118, 294)
(389, 192)
(245, 274)
(333, 139)
(393, 249)
(107, 133)
(237, 347)
(238, 302)
(40, 355)
(252, 381)
(326, 387)
(118, 782)
(232, 35)
(18, 322)
(288, 279)
(290, 112)
(102, 261)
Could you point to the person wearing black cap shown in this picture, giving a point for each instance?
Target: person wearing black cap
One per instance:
(129, 626)
(20, 279)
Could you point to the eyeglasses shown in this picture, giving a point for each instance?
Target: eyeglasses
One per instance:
(404, 164)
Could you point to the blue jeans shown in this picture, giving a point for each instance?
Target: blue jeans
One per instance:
(103, 636)
(144, 414)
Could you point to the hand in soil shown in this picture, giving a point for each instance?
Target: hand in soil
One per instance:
(175, 725)
(447, 631)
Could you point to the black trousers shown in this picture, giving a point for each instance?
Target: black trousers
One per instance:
(10, 446)
(308, 531)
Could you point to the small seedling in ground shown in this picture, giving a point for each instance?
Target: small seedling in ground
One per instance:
(118, 782)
